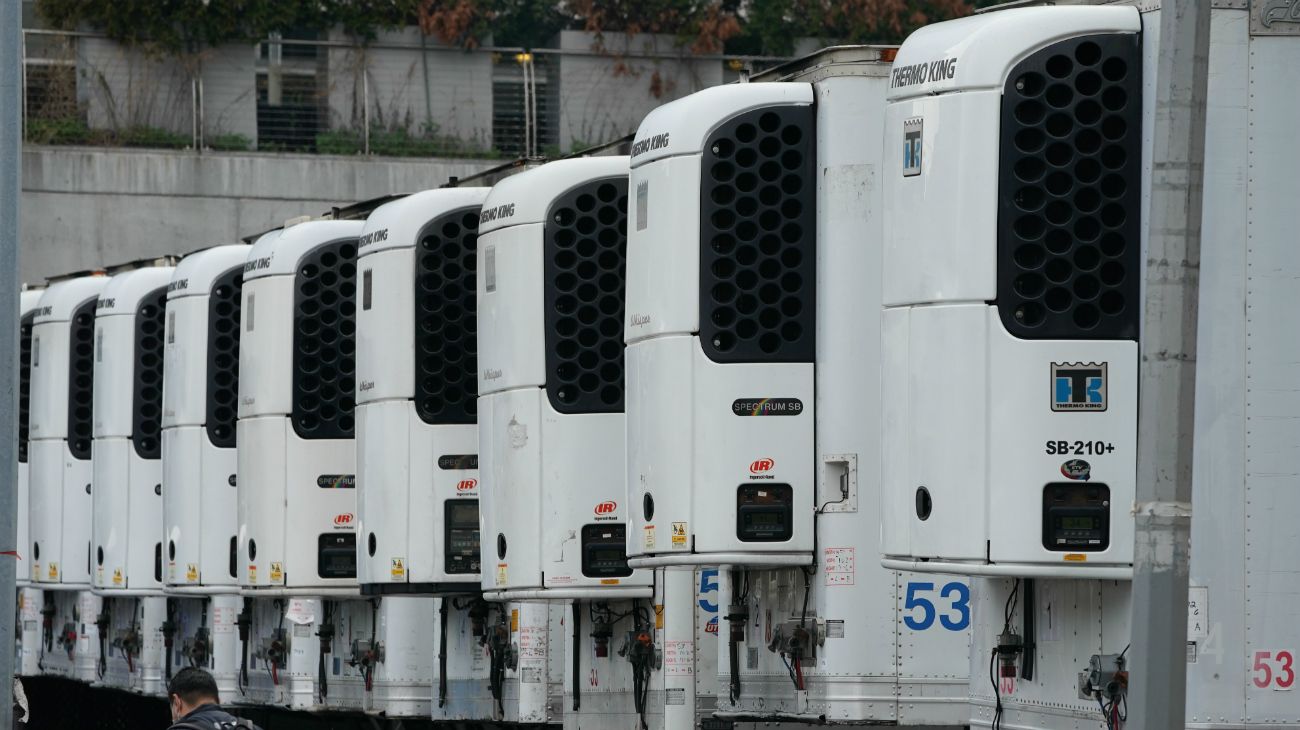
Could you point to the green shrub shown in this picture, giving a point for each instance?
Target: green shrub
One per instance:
(152, 137)
(69, 130)
(230, 142)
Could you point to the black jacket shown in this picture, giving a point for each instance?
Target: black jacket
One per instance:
(210, 717)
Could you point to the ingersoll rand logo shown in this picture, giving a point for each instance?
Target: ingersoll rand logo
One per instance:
(466, 485)
(344, 520)
(759, 468)
(606, 510)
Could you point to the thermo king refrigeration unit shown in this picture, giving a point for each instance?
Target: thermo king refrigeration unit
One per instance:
(550, 424)
(1031, 291)
(30, 599)
(200, 400)
(58, 450)
(417, 444)
(551, 431)
(312, 641)
(127, 476)
(753, 394)
(1024, 293)
(295, 478)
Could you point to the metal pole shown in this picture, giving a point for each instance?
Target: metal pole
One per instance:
(365, 101)
(1167, 413)
(11, 93)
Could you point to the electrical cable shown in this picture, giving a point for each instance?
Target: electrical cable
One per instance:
(442, 652)
(1008, 611)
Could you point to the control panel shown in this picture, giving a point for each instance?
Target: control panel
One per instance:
(462, 536)
(336, 555)
(1076, 517)
(604, 551)
(764, 512)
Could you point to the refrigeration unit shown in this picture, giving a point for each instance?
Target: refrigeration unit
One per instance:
(30, 599)
(200, 398)
(127, 476)
(295, 479)
(1012, 316)
(550, 296)
(308, 640)
(417, 450)
(59, 472)
(754, 249)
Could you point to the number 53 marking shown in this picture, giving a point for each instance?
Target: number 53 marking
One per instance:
(956, 618)
(1278, 674)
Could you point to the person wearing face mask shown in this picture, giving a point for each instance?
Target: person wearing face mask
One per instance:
(192, 694)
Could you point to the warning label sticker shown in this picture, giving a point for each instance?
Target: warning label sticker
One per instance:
(679, 535)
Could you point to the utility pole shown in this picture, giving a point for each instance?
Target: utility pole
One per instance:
(1167, 414)
(11, 134)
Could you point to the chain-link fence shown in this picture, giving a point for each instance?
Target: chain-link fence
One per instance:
(403, 94)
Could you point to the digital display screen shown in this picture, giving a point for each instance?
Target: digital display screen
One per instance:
(607, 555)
(1078, 523)
(463, 512)
(764, 519)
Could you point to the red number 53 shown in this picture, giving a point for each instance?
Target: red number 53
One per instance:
(1277, 674)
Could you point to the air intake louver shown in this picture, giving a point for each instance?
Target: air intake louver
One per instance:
(446, 325)
(585, 261)
(223, 357)
(758, 238)
(81, 379)
(147, 412)
(324, 342)
(1069, 198)
(24, 383)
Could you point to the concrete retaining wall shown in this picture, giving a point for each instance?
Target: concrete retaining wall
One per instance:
(87, 207)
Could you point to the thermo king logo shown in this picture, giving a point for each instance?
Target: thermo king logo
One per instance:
(466, 485)
(343, 520)
(759, 466)
(912, 129)
(606, 510)
(1078, 386)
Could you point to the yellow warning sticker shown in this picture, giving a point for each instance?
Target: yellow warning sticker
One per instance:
(649, 537)
(502, 572)
(609, 581)
(277, 573)
(1076, 557)
(679, 535)
(54, 571)
(117, 576)
(397, 571)
(659, 615)
(514, 620)
(192, 573)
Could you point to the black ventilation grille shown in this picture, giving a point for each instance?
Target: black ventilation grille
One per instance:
(758, 238)
(24, 382)
(446, 327)
(147, 412)
(324, 342)
(81, 379)
(1069, 217)
(586, 263)
(224, 304)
